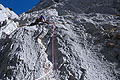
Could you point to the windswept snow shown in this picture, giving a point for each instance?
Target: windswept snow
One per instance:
(7, 25)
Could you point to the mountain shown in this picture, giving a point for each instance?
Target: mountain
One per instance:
(80, 6)
(84, 36)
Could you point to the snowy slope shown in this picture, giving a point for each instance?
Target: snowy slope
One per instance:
(86, 42)
(7, 24)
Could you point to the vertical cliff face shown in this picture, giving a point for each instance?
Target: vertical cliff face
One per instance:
(22, 57)
(86, 42)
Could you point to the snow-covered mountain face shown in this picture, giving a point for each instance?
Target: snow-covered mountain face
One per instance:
(86, 42)
(7, 25)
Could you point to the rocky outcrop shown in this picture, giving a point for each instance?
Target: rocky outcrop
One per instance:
(22, 57)
(80, 6)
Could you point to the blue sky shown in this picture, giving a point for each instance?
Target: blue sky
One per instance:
(19, 6)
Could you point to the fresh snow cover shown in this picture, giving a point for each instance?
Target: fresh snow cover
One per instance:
(7, 15)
